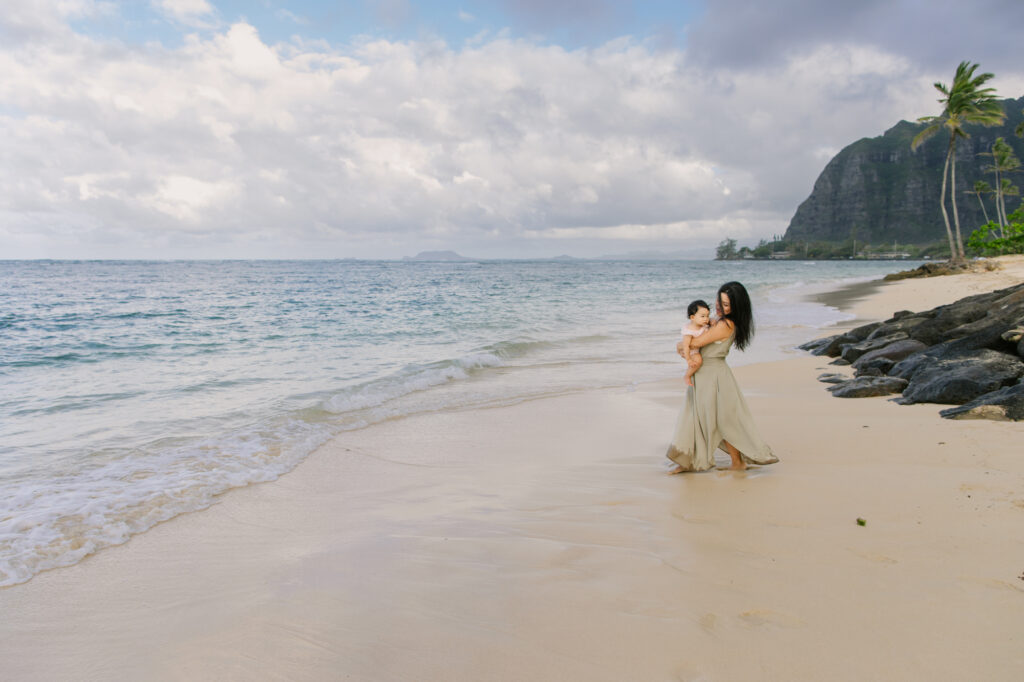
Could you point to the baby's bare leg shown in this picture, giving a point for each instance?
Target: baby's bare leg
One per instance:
(693, 363)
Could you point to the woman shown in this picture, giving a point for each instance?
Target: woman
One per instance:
(715, 414)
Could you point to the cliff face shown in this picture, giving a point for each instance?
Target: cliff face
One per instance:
(876, 190)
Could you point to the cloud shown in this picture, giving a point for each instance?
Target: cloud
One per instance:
(187, 12)
(935, 35)
(28, 21)
(230, 146)
(282, 13)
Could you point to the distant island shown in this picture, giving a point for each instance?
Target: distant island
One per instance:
(442, 256)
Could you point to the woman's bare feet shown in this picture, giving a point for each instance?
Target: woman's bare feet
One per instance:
(737, 459)
(674, 470)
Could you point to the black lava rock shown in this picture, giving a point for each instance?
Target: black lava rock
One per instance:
(957, 379)
(1006, 404)
(866, 387)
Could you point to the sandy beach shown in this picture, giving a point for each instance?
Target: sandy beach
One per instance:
(543, 541)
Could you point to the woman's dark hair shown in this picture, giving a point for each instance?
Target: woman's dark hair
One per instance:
(741, 314)
(694, 306)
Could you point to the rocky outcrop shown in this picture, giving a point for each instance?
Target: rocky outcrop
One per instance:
(939, 269)
(968, 353)
(877, 190)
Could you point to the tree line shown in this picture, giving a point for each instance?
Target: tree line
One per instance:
(800, 249)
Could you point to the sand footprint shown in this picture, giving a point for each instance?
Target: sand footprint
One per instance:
(707, 621)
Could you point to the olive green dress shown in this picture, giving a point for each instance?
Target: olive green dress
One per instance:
(715, 411)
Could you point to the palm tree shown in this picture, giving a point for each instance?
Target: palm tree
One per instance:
(1003, 161)
(1007, 189)
(966, 101)
(981, 187)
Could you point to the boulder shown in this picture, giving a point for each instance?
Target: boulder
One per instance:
(832, 378)
(957, 379)
(828, 345)
(903, 324)
(831, 345)
(893, 353)
(815, 344)
(936, 329)
(864, 331)
(1006, 404)
(876, 367)
(866, 387)
(852, 351)
(970, 315)
(839, 362)
(988, 335)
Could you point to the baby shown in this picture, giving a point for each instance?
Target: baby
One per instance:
(700, 314)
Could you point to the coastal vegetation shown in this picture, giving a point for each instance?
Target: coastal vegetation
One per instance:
(994, 239)
(781, 248)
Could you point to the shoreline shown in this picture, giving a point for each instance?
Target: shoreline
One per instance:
(845, 297)
(542, 541)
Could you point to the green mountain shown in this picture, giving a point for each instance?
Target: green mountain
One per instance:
(878, 191)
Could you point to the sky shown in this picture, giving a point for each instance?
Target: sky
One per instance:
(161, 129)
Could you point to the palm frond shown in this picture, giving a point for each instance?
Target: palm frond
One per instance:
(927, 133)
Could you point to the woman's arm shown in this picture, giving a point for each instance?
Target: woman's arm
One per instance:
(721, 330)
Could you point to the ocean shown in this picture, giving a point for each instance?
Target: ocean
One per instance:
(131, 392)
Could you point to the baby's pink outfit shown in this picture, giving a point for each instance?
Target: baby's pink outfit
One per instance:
(690, 330)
